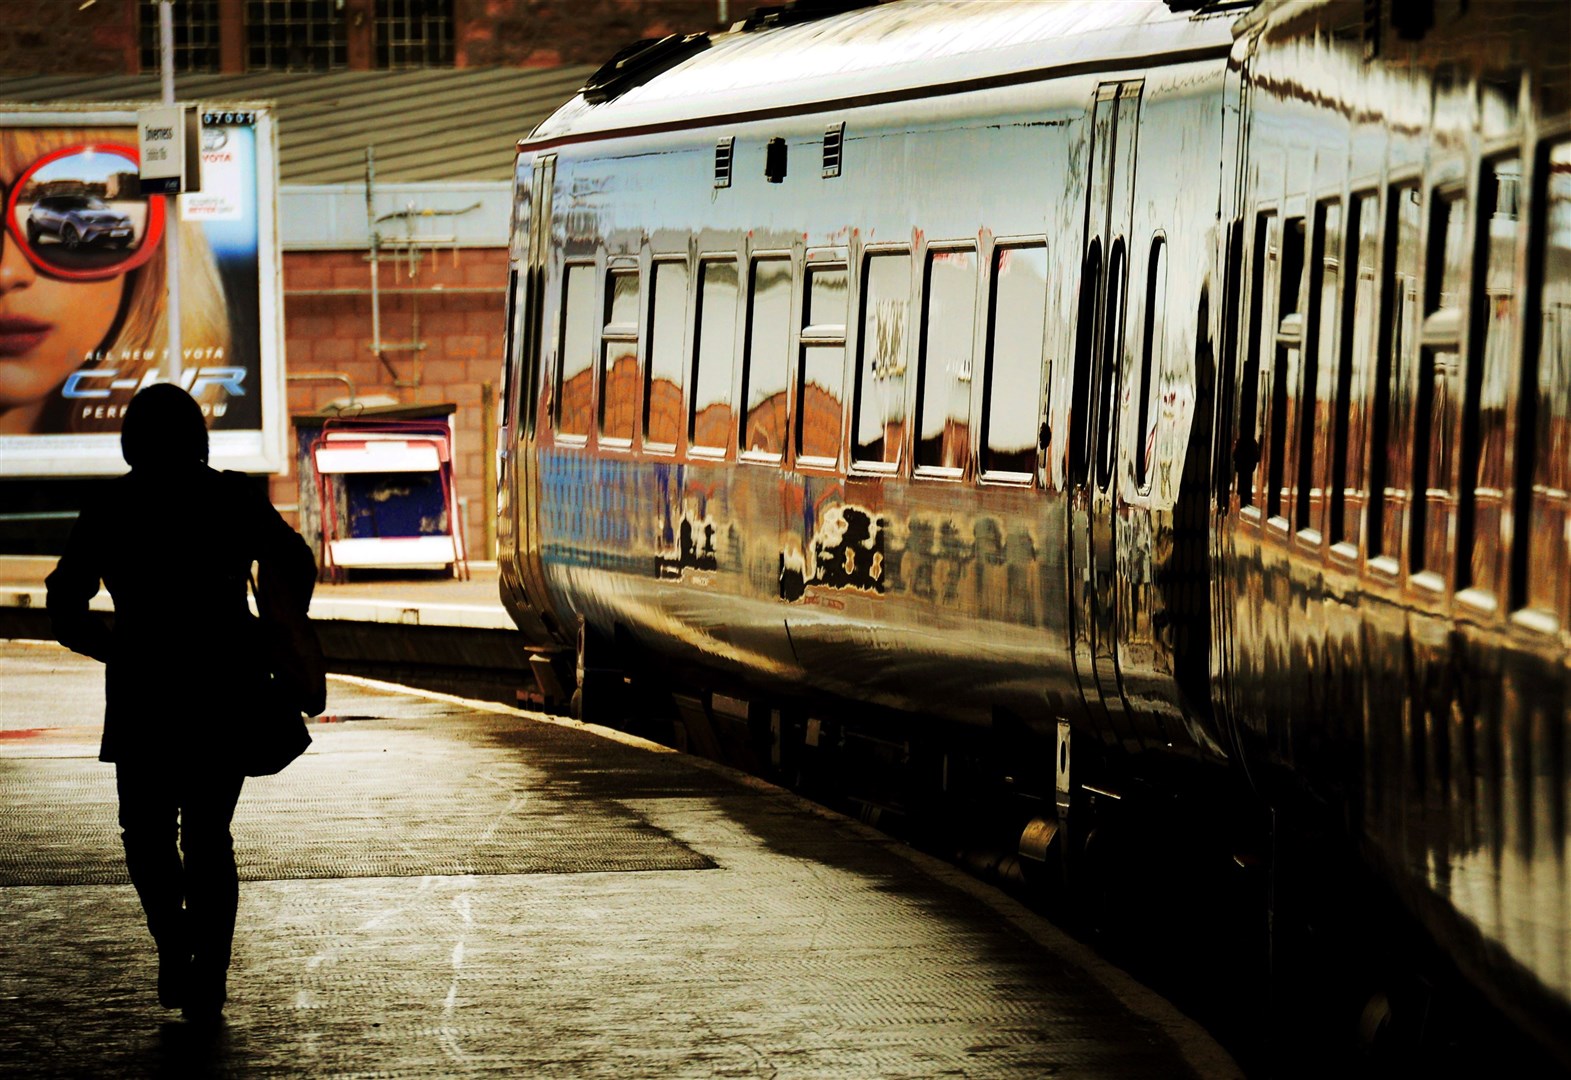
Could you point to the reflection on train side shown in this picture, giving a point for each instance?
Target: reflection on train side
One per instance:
(1210, 411)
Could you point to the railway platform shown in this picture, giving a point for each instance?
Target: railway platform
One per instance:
(436, 599)
(443, 887)
(444, 633)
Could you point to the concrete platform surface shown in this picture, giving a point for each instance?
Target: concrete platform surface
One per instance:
(409, 598)
(441, 888)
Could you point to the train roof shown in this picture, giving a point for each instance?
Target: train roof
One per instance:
(891, 51)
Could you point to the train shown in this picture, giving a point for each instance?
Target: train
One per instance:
(1104, 402)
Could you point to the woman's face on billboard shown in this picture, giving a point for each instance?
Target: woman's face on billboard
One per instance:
(64, 252)
(47, 329)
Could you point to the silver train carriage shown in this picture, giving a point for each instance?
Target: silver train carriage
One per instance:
(1191, 388)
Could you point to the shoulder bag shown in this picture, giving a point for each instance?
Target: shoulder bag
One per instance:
(295, 685)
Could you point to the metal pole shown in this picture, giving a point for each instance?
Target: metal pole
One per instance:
(370, 225)
(488, 450)
(166, 49)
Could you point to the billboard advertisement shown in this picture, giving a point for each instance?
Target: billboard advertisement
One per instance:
(84, 319)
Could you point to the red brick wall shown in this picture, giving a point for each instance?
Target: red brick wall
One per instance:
(57, 36)
(546, 33)
(575, 412)
(714, 426)
(619, 410)
(766, 425)
(666, 412)
(822, 416)
(463, 334)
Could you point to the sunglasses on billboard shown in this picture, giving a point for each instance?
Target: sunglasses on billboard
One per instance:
(78, 213)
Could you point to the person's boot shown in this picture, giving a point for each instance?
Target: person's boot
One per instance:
(206, 990)
(174, 960)
(174, 973)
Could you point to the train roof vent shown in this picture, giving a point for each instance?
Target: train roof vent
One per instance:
(834, 136)
(640, 62)
(800, 11)
(723, 150)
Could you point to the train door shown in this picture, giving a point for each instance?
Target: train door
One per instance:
(1229, 447)
(1099, 343)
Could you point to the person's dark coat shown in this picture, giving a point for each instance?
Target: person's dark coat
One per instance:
(174, 542)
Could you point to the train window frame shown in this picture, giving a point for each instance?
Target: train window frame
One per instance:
(1318, 367)
(987, 473)
(1479, 364)
(1355, 358)
(1115, 315)
(588, 271)
(655, 333)
(1153, 352)
(510, 341)
(1553, 618)
(1287, 352)
(695, 449)
(867, 466)
(613, 333)
(745, 425)
(1087, 323)
(967, 377)
(536, 375)
(1389, 391)
(815, 337)
(1442, 331)
(1225, 429)
(1261, 310)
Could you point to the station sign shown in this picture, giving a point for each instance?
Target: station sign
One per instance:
(169, 140)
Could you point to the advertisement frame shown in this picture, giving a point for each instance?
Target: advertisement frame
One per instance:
(264, 449)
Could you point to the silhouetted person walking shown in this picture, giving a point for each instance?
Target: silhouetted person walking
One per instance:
(174, 541)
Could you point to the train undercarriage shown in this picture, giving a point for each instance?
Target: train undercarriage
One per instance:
(1248, 916)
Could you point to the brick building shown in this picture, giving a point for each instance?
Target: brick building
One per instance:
(441, 89)
(234, 36)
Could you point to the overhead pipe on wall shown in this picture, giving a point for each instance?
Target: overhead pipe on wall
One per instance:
(370, 225)
(413, 243)
(326, 376)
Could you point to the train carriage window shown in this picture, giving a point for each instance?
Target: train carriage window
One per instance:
(1262, 275)
(945, 359)
(1359, 335)
(1542, 551)
(667, 322)
(1285, 361)
(1320, 354)
(1112, 362)
(1225, 430)
(1151, 355)
(575, 372)
(1482, 507)
(509, 346)
(766, 368)
(1017, 315)
(1391, 416)
(1085, 358)
(619, 357)
(1438, 393)
(711, 422)
(881, 363)
(536, 380)
(820, 414)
